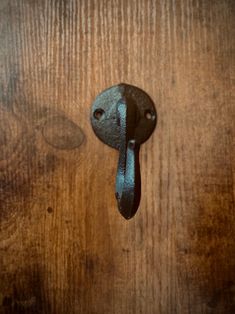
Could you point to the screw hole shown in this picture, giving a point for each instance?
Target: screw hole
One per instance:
(149, 115)
(98, 114)
(131, 144)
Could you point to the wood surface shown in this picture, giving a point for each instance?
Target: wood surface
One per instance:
(64, 248)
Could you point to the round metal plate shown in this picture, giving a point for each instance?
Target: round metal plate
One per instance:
(104, 116)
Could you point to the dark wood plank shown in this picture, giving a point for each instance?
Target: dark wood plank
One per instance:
(64, 248)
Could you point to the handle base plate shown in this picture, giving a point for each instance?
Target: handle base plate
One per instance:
(104, 118)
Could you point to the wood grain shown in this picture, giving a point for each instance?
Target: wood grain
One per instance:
(64, 248)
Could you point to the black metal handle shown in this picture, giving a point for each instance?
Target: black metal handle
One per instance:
(128, 180)
(124, 117)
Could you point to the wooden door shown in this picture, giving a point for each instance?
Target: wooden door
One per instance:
(64, 248)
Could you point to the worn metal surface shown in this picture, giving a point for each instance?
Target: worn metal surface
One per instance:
(124, 117)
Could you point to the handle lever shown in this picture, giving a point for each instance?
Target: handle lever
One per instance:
(128, 180)
(124, 117)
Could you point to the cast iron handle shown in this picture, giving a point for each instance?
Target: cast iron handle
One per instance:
(124, 117)
(128, 180)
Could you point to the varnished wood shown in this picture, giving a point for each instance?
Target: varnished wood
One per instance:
(64, 248)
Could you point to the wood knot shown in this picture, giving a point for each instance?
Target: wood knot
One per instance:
(62, 133)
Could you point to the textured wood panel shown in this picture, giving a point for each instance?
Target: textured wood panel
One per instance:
(64, 248)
